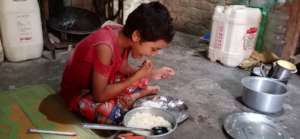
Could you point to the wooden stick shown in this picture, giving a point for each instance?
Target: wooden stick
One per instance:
(32, 130)
(293, 32)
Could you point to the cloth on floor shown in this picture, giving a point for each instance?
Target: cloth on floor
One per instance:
(256, 58)
(129, 136)
(38, 107)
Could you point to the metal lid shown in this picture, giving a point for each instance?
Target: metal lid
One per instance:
(286, 64)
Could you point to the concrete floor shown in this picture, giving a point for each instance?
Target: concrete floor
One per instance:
(209, 89)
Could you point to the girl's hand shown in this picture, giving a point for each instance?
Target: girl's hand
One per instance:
(149, 90)
(145, 70)
(162, 73)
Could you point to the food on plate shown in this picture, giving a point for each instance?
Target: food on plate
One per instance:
(148, 121)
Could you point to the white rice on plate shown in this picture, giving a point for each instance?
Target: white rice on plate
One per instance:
(148, 121)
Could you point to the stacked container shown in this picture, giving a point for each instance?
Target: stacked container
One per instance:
(234, 33)
(21, 29)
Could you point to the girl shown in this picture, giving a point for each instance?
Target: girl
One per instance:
(99, 83)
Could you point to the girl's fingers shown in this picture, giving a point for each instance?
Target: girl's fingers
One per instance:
(148, 64)
(167, 72)
(164, 76)
(155, 88)
(170, 71)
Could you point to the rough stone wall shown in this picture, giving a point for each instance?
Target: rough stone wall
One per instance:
(190, 16)
(130, 5)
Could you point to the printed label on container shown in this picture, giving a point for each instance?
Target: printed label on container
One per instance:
(24, 28)
(219, 37)
(249, 38)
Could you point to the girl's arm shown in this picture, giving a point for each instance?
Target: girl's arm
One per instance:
(104, 91)
(156, 74)
(127, 69)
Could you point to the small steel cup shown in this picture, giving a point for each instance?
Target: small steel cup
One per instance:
(282, 70)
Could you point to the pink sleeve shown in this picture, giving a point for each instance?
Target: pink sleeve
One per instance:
(100, 68)
(101, 37)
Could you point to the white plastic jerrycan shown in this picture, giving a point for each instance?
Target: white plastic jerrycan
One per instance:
(21, 29)
(234, 33)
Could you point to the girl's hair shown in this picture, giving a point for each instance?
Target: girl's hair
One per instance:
(152, 21)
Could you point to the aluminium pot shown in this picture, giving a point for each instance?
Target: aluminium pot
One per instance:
(264, 94)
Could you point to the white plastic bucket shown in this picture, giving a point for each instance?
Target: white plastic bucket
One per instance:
(21, 29)
(234, 32)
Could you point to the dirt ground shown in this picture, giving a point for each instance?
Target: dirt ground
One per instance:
(210, 90)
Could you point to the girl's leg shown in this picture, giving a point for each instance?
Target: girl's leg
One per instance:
(104, 113)
(112, 111)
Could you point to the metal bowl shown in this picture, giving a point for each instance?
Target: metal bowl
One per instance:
(264, 94)
(253, 126)
(157, 112)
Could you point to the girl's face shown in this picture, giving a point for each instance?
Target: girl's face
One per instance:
(146, 48)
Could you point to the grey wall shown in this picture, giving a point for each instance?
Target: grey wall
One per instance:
(190, 16)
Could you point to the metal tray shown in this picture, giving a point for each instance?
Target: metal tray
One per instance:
(175, 106)
(253, 126)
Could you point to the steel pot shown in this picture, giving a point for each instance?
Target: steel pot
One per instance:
(282, 70)
(264, 94)
(155, 111)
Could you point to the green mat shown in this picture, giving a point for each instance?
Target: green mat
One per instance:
(37, 107)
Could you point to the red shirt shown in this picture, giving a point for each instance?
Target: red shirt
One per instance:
(83, 61)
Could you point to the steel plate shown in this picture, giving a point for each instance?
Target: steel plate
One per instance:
(253, 126)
